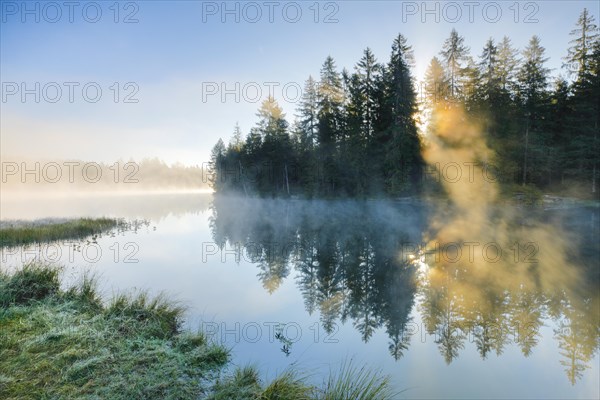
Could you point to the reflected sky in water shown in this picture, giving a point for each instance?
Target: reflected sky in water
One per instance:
(452, 302)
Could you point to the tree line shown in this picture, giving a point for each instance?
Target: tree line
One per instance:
(357, 133)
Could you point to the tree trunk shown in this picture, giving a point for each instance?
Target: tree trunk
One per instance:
(525, 155)
(242, 179)
(287, 182)
(594, 167)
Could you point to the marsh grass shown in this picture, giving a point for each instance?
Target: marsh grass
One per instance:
(32, 282)
(76, 229)
(158, 316)
(357, 383)
(245, 384)
(349, 383)
(70, 344)
(67, 344)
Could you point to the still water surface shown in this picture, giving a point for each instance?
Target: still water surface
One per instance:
(478, 302)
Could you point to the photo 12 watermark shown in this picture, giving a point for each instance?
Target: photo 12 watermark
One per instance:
(455, 12)
(252, 12)
(53, 12)
(88, 251)
(290, 332)
(456, 252)
(68, 172)
(69, 92)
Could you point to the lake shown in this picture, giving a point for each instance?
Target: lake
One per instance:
(485, 301)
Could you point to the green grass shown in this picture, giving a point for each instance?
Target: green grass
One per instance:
(349, 383)
(355, 383)
(65, 344)
(75, 229)
(245, 384)
(31, 283)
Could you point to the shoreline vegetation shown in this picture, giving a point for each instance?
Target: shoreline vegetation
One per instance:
(68, 343)
(18, 233)
(373, 130)
(530, 197)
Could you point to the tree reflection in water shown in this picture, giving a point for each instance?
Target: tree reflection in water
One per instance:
(363, 262)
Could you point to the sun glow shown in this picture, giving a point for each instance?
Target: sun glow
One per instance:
(422, 118)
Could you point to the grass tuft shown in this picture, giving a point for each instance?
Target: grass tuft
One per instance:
(288, 385)
(33, 282)
(85, 292)
(243, 384)
(355, 383)
(158, 316)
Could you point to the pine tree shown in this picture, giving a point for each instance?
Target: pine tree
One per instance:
(276, 148)
(437, 86)
(308, 114)
(488, 70)
(472, 95)
(215, 166)
(368, 72)
(533, 77)
(401, 91)
(454, 54)
(306, 133)
(368, 89)
(402, 150)
(503, 113)
(506, 64)
(331, 98)
(584, 56)
(585, 35)
(236, 139)
(533, 97)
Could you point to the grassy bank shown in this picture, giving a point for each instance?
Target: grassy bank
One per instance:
(26, 233)
(69, 344)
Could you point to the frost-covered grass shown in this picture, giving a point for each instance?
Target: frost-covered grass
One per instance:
(68, 344)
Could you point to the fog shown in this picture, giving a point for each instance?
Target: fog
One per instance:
(153, 206)
(58, 177)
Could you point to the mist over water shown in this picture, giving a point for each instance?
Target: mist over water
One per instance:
(404, 285)
(154, 205)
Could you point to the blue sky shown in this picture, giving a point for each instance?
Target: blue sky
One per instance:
(178, 49)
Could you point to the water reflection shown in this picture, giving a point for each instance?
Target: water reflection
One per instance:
(85, 248)
(495, 283)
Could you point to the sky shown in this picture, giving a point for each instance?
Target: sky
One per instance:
(105, 80)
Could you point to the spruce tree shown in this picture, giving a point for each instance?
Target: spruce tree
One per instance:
(454, 54)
